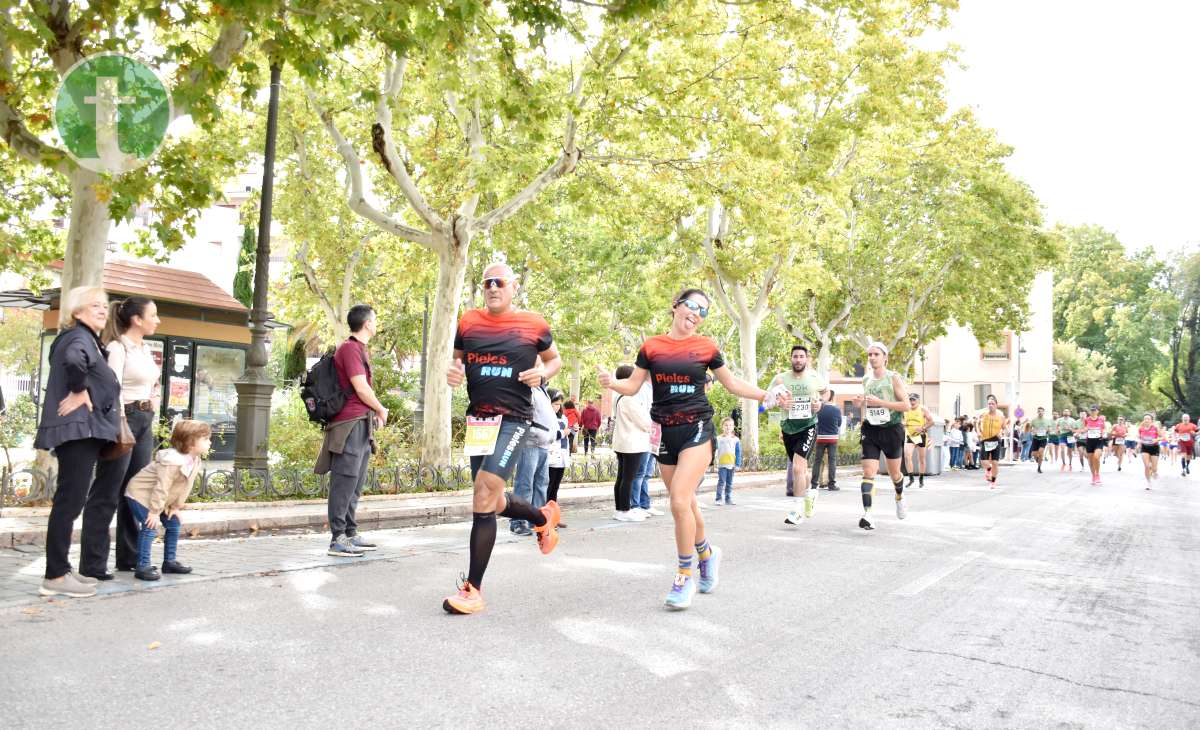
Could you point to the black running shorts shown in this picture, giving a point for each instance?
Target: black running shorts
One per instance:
(886, 440)
(678, 438)
(1038, 444)
(801, 443)
(1151, 449)
(503, 459)
(992, 454)
(1093, 445)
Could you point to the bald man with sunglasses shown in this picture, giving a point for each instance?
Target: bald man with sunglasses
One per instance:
(501, 353)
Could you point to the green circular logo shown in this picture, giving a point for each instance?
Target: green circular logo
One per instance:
(112, 113)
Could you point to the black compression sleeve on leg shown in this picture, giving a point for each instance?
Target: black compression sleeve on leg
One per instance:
(868, 490)
(483, 539)
(899, 486)
(519, 509)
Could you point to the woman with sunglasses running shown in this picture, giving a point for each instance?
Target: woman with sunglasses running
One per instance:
(676, 364)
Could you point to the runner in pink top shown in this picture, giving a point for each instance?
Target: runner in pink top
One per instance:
(1093, 433)
(1148, 435)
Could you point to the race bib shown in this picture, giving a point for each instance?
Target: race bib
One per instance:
(1070, 439)
(1040, 433)
(800, 410)
(481, 435)
(655, 437)
(1184, 438)
(1093, 433)
(990, 445)
(877, 416)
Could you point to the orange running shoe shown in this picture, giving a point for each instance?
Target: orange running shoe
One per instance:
(547, 535)
(467, 600)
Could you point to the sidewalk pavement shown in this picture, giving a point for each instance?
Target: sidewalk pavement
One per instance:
(27, 525)
(445, 516)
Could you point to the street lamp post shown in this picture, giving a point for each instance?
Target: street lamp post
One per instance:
(1017, 401)
(255, 386)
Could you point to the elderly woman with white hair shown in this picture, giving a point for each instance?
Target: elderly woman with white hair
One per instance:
(80, 416)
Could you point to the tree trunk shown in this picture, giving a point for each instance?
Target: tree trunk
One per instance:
(83, 264)
(576, 378)
(443, 321)
(824, 356)
(748, 346)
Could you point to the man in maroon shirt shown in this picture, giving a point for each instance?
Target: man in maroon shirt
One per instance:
(590, 420)
(350, 434)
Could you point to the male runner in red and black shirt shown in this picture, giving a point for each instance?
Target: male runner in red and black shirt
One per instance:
(501, 353)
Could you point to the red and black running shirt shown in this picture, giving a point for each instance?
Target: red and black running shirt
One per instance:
(677, 370)
(496, 349)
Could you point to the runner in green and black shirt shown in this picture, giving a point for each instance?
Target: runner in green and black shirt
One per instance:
(1042, 427)
(883, 403)
(799, 426)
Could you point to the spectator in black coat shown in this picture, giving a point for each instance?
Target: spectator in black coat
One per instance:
(80, 416)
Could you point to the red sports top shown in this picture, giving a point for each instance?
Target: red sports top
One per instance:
(496, 349)
(677, 371)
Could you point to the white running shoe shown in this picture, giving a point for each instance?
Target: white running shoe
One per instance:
(794, 518)
(901, 508)
(654, 512)
(629, 516)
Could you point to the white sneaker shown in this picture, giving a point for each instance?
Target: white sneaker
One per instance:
(636, 515)
(901, 509)
(67, 585)
(794, 518)
(629, 516)
(654, 512)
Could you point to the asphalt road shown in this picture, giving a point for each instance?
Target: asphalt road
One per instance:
(1047, 603)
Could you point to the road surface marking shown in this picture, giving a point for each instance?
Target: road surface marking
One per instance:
(929, 579)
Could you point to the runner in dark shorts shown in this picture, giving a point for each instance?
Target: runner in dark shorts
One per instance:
(883, 403)
(501, 353)
(676, 364)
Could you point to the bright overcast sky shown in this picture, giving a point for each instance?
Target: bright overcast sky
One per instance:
(1100, 100)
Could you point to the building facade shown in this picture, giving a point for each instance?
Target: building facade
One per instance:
(957, 372)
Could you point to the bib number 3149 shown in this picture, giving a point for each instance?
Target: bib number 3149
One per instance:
(877, 416)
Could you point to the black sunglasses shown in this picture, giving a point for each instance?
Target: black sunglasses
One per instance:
(702, 311)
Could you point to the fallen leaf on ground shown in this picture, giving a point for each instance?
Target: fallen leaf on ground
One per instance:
(31, 610)
(154, 645)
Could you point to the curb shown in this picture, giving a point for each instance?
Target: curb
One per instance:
(380, 518)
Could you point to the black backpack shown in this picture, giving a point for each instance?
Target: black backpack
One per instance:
(323, 397)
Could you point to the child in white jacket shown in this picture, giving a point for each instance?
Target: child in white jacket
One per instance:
(728, 458)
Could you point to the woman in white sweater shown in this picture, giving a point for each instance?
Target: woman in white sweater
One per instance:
(130, 321)
(631, 442)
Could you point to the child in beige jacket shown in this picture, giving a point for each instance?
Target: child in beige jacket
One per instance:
(160, 490)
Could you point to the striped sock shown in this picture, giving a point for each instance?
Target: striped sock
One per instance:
(703, 551)
(685, 564)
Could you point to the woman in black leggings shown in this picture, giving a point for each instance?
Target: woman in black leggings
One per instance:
(560, 450)
(80, 416)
